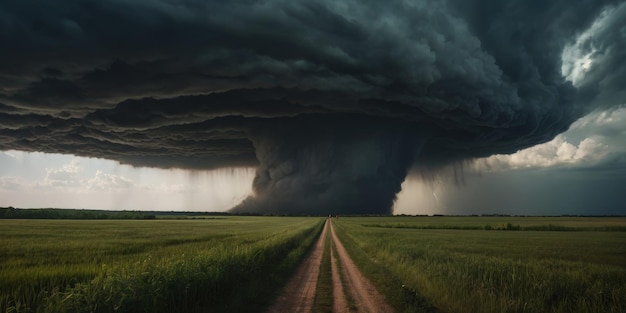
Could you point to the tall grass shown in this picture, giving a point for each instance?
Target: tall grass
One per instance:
(488, 271)
(149, 266)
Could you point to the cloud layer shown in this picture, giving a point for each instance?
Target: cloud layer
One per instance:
(594, 141)
(332, 100)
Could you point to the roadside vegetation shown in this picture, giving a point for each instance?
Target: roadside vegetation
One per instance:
(222, 264)
(237, 263)
(463, 264)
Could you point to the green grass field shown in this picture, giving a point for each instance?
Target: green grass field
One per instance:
(465, 264)
(235, 264)
(223, 264)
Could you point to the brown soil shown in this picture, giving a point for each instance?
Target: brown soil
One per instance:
(299, 293)
(366, 297)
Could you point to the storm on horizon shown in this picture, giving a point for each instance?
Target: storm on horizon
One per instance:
(334, 103)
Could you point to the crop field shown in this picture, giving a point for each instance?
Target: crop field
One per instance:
(236, 264)
(218, 264)
(492, 264)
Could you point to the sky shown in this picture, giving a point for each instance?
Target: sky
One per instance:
(41, 180)
(414, 107)
(580, 172)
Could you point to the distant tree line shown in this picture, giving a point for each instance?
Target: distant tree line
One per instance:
(13, 213)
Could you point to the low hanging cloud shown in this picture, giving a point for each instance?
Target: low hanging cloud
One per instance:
(105, 181)
(66, 176)
(71, 177)
(332, 101)
(554, 153)
(595, 140)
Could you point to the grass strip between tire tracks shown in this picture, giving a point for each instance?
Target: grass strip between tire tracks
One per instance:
(324, 291)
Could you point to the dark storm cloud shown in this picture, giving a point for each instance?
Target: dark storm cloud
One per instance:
(605, 44)
(333, 100)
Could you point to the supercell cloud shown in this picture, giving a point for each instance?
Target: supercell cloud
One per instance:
(332, 101)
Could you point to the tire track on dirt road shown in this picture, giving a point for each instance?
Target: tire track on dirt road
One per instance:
(365, 295)
(298, 294)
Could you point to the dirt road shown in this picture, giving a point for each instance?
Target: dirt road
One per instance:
(299, 293)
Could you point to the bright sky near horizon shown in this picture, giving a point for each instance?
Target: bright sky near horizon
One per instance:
(35, 180)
